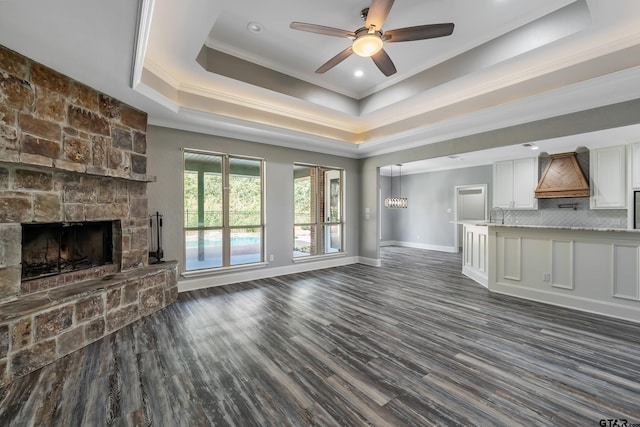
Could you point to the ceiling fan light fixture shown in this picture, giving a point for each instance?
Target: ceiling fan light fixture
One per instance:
(367, 41)
(367, 44)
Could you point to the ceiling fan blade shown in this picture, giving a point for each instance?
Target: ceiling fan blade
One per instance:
(378, 12)
(384, 63)
(321, 29)
(419, 32)
(335, 60)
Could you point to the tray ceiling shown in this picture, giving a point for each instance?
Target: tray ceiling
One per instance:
(196, 66)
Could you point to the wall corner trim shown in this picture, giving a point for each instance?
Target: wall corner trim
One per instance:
(370, 261)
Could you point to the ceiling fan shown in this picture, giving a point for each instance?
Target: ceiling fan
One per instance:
(368, 40)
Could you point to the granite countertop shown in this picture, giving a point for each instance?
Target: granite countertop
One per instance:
(548, 227)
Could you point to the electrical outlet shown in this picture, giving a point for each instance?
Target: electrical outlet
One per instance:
(271, 258)
(546, 277)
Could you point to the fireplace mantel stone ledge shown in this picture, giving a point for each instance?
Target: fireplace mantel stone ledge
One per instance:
(84, 170)
(42, 327)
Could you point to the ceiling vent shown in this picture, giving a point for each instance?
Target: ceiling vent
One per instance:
(562, 178)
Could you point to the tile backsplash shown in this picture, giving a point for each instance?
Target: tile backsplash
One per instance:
(549, 213)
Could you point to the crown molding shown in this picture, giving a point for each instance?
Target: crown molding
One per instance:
(145, 14)
(253, 103)
(600, 91)
(156, 96)
(162, 73)
(480, 121)
(508, 73)
(215, 124)
(539, 68)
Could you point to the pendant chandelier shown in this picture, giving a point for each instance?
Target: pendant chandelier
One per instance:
(396, 202)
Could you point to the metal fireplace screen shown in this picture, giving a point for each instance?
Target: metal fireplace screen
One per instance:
(49, 249)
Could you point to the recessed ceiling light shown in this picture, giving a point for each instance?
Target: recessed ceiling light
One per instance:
(531, 146)
(358, 73)
(255, 27)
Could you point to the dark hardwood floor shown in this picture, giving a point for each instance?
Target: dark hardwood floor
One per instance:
(411, 343)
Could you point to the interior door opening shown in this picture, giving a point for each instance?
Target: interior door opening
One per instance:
(471, 205)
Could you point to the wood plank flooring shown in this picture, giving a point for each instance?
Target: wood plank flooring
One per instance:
(411, 343)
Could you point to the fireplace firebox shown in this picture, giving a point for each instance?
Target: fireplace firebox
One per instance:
(57, 248)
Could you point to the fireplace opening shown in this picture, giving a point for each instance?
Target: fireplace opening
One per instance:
(56, 248)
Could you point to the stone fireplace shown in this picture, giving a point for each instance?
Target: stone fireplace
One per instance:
(73, 217)
(37, 198)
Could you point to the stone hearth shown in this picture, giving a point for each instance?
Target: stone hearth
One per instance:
(69, 153)
(44, 326)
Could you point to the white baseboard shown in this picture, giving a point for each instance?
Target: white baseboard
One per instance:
(603, 308)
(213, 280)
(476, 276)
(427, 246)
(370, 261)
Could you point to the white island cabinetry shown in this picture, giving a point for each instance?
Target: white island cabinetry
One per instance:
(594, 270)
(474, 249)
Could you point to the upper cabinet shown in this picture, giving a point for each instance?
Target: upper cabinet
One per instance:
(608, 171)
(514, 183)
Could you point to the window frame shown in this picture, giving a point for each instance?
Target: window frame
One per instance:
(226, 228)
(319, 223)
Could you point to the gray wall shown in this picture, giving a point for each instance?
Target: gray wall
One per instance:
(429, 195)
(388, 217)
(165, 195)
(426, 220)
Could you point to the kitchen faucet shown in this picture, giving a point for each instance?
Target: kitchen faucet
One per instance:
(496, 209)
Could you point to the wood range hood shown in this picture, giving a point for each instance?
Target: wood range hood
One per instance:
(562, 178)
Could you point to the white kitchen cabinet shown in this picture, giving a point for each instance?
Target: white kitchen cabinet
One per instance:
(514, 183)
(607, 168)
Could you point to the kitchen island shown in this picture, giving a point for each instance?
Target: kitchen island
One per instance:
(590, 269)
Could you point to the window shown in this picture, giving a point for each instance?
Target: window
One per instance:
(318, 223)
(223, 214)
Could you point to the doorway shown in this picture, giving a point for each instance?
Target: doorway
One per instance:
(470, 205)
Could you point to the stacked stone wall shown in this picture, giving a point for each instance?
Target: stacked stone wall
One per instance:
(69, 153)
(48, 119)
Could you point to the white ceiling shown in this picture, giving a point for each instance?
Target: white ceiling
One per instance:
(507, 62)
